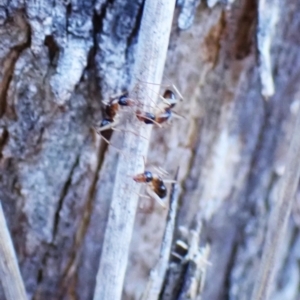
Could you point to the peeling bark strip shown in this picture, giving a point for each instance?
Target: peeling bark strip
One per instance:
(279, 217)
(150, 59)
(10, 275)
(10, 61)
(267, 18)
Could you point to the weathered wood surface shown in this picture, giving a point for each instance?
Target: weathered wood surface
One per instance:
(11, 279)
(60, 59)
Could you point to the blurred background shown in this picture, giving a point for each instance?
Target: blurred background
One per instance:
(236, 65)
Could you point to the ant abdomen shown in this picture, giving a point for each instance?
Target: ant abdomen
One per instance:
(159, 187)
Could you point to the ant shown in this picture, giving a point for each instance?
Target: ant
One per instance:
(156, 188)
(112, 110)
(164, 112)
(112, 117)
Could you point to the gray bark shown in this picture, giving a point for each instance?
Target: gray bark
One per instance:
(60, 59)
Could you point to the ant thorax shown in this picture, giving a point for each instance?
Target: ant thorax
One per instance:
(112, 109)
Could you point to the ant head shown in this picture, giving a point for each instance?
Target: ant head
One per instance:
(168, 94)
(148, 176)
(105, 122)
(144, 177)
(170, 97)
(124, 100)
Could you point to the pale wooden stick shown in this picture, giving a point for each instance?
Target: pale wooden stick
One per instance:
(157, 275)
(10, 275)
(278, 219)
(150, 59)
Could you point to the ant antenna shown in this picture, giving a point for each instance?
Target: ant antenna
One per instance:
(166, 86)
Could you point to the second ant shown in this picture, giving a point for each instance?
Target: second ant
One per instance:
(156, 188)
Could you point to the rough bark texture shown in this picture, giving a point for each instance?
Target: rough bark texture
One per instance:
(59, 59)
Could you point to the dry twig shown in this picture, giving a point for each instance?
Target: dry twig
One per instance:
(279, 217)
(10, 275)
(186, 279)
(150, 59)
(157, 275)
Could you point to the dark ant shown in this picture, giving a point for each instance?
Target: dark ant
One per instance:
(112, 114)
(112, 111)
(164, 112)
(156, 188)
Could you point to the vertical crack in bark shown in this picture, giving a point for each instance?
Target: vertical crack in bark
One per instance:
(102, 147)
(245, 29)
(213, 40)
(56, 221)
(136, 28)
(191, 163)
(9, 66)
(229, 267)
(82, 228)
(53, 48)
(62, 197)
(4, 136)
(249, 204)
(68, 15)
(98, 19)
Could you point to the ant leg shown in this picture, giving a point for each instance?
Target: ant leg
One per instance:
(147, 209)
(115, 96)
(170, 181)
(126, 130)
(99, 132)
(139, 114)
(106, 127)
(106, 140)
(143, 196)
(117, 149)
(177, 91)
(152, 194)
(177, 116)
(150, 208)
(144, 161)
(161, 171)
(166, 86)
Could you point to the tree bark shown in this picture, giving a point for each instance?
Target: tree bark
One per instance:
(236, 65)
